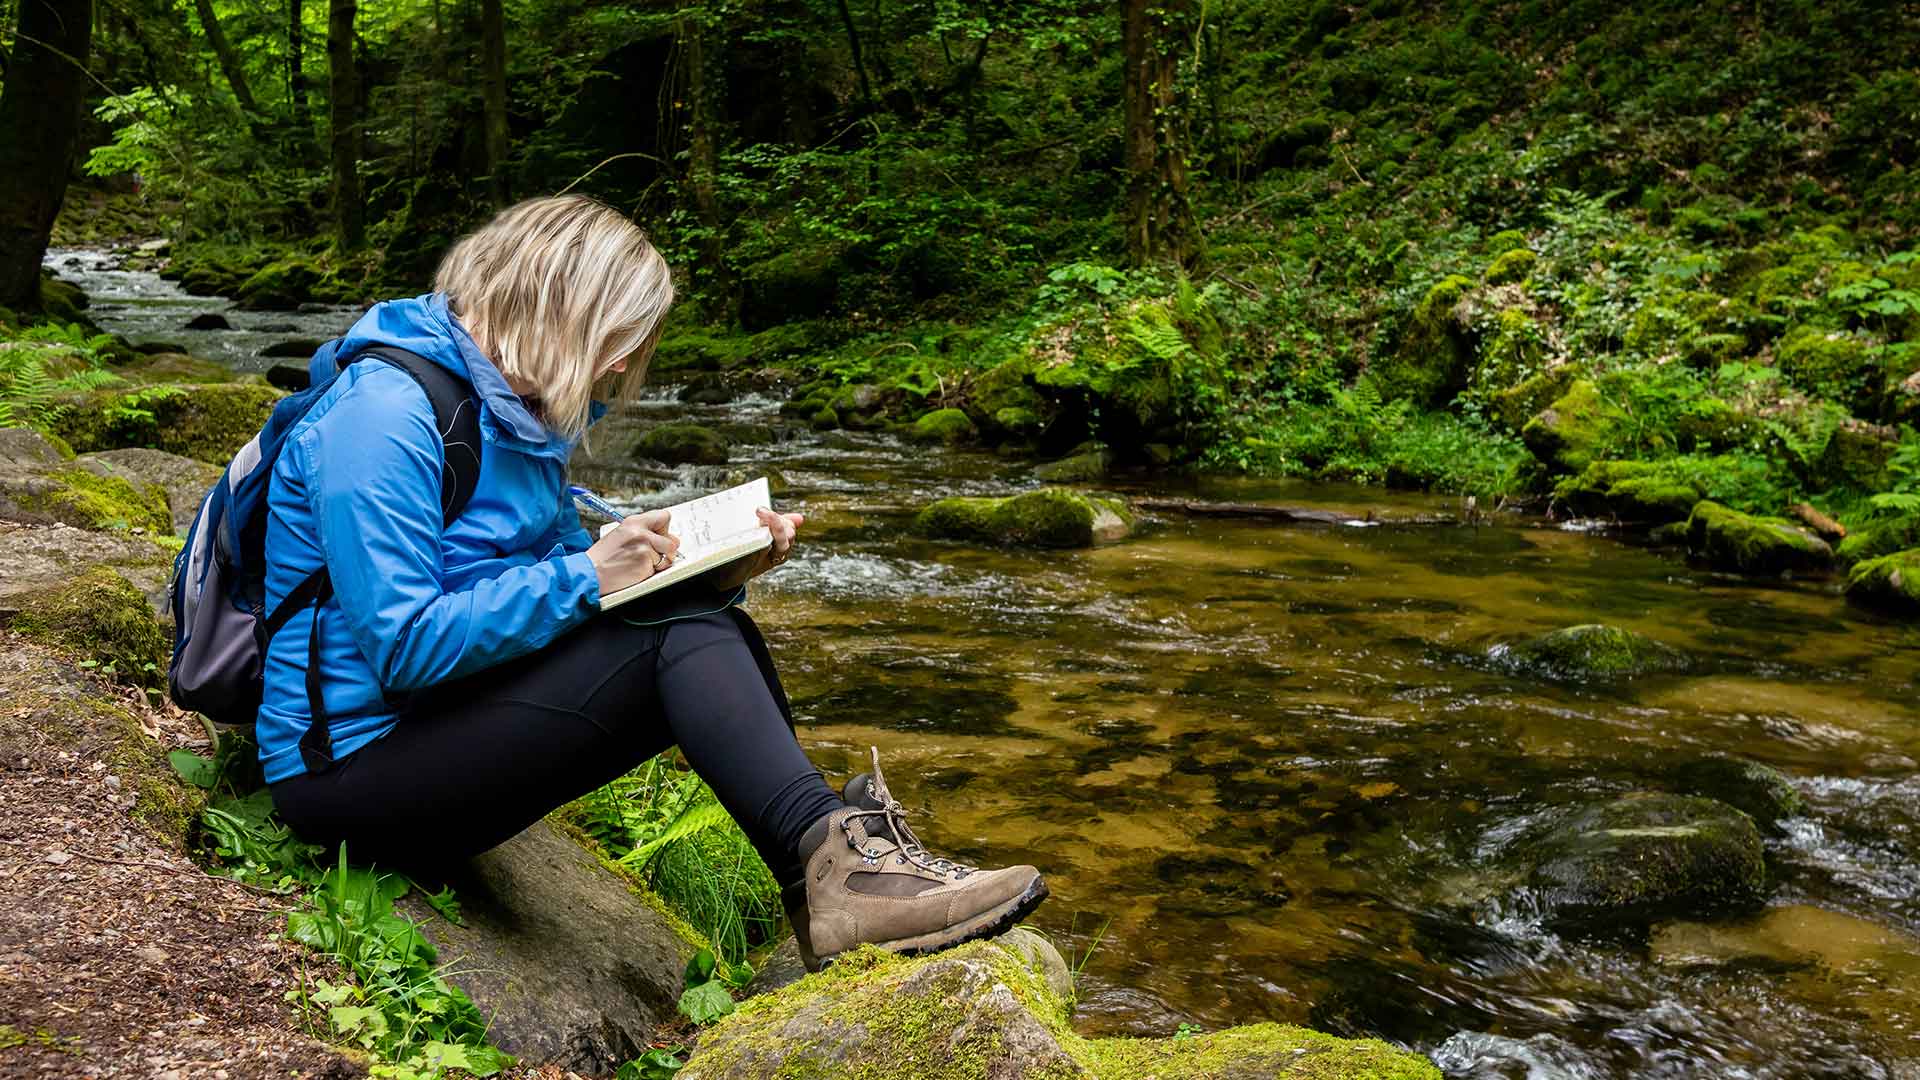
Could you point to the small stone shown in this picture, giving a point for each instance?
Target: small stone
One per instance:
(151, 954)
(59, 858)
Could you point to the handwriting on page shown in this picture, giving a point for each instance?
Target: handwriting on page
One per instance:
(711, 520)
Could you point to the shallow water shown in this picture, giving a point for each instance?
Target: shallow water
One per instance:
(1265, 766)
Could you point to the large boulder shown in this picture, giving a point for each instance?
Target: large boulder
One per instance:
(941, 426)
(38, 485)
(1881, 536)
(986, 1010)
(1730, 540)
(206, 422)
(1050, 517)
(1761, 792)
(1639, 859)
(1890, 583)
(38, 559)
(1575, 430)
(183, 480)
(1436, 348)
(572, 966)
(682, 443)
(1590, 651)
(100, 617)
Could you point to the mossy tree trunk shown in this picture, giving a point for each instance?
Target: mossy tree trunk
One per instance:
(343, 91)
(1159, 209)
(39, 124)
(493, 62)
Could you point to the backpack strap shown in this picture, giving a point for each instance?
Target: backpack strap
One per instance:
(457, 418)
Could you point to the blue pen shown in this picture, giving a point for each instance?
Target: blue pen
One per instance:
(594, 502)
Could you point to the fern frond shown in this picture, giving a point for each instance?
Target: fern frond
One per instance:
(691, 820)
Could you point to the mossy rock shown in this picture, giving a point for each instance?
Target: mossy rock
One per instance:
(1518, 404)
(797, 284)
(823, 419)
(63, 302)
(1050, 517)
(1630, 491)
(1642, 858)
(1857, 456)
(1005, 386)
(1881, 536)
(1018, 423)
(682, 443)
(201, 421)
(1890, 583)
(1435, 351)
(1575, 430)
(1844, 368)
(1730, 540)
(1515, 348)
(174, 367)
(860, 407)
(701, 349)
(1511, 266)
(944, 426)
(184, 481)
(1083, 467)
(282, 285)
(100, 617)
(1759, 791)
(40, 485)
(983, 1011)
(1591, 651)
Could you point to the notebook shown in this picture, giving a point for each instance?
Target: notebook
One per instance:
(714, 530)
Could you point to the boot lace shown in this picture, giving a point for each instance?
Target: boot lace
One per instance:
(895, 816)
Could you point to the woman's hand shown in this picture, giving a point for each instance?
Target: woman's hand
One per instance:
(783, 527)
(634, 551)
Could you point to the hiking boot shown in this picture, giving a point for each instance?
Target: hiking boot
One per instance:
(869, 879)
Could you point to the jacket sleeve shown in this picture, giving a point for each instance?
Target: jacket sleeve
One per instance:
(373, 482)
(566, 531)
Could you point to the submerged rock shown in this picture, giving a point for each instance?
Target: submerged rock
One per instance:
(1050, 517)
(682, 443)
(984, 1011)
(1759, 791)
(208, 321)
(1642, 858)
(207, 422)
(295, 347)
(1593, 650)
(571, 965)
(1086, 465)
(1731, 540)
(1890, 583)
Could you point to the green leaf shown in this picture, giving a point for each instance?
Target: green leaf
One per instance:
(699, 969)
(194, 769)
(706, 1003)
(652, 1065)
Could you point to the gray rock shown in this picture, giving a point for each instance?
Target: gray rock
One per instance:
(1041, 958)
(34, 558)
(185, 480)
(573, 968)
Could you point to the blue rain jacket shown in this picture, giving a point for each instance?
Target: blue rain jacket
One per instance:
(358, 487)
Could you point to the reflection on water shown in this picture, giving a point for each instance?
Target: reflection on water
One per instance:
(1266, 767)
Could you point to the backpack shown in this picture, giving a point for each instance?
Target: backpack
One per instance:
(221, 626)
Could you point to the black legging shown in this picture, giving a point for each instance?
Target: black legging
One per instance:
(475, 761)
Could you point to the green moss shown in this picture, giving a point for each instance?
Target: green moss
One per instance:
(1003, 387)
(91, 501)
(1628, 490)
(823, 418)
(174, 368)
(1083, 467)
(1731, 540)
(1435, 350)
(1843, 368)
(205, 422)
(1881, 536)
(1511, 266)
(1572, 432)
(944, 426)
(1518, 404)
(286, 283)
(1050, 517)
(1018, 421)
(1592, 651)
(101, 617)
(680, 443)
(1890, 583)
(1515, 350)
(701, 348)
(1757, 790)
(1644, 857)
(877, 1016)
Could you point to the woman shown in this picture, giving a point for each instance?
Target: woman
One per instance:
(469, 682)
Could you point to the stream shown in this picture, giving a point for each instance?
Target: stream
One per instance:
(1263, 766)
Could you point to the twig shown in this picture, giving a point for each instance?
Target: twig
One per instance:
(609, 161)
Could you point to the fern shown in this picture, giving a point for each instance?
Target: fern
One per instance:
(27, 390)
(691, 820)
(1162, 341)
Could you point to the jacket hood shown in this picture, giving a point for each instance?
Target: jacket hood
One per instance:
(425, 325)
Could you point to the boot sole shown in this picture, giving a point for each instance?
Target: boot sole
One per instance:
(989, 923)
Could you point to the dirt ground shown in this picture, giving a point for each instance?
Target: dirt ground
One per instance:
(118, 956)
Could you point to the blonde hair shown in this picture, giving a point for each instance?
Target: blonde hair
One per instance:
(554, 290)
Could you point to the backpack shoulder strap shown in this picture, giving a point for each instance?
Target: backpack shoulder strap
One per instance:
(457, 416)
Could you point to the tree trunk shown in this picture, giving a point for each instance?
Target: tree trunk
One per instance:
(297, 64)
(705, 80)
(859, 64)
(343, 92)
(493, 60)
(39, 124)
(229, 63)
(1159, 211)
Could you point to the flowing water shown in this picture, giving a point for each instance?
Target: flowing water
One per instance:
(1266, 767)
